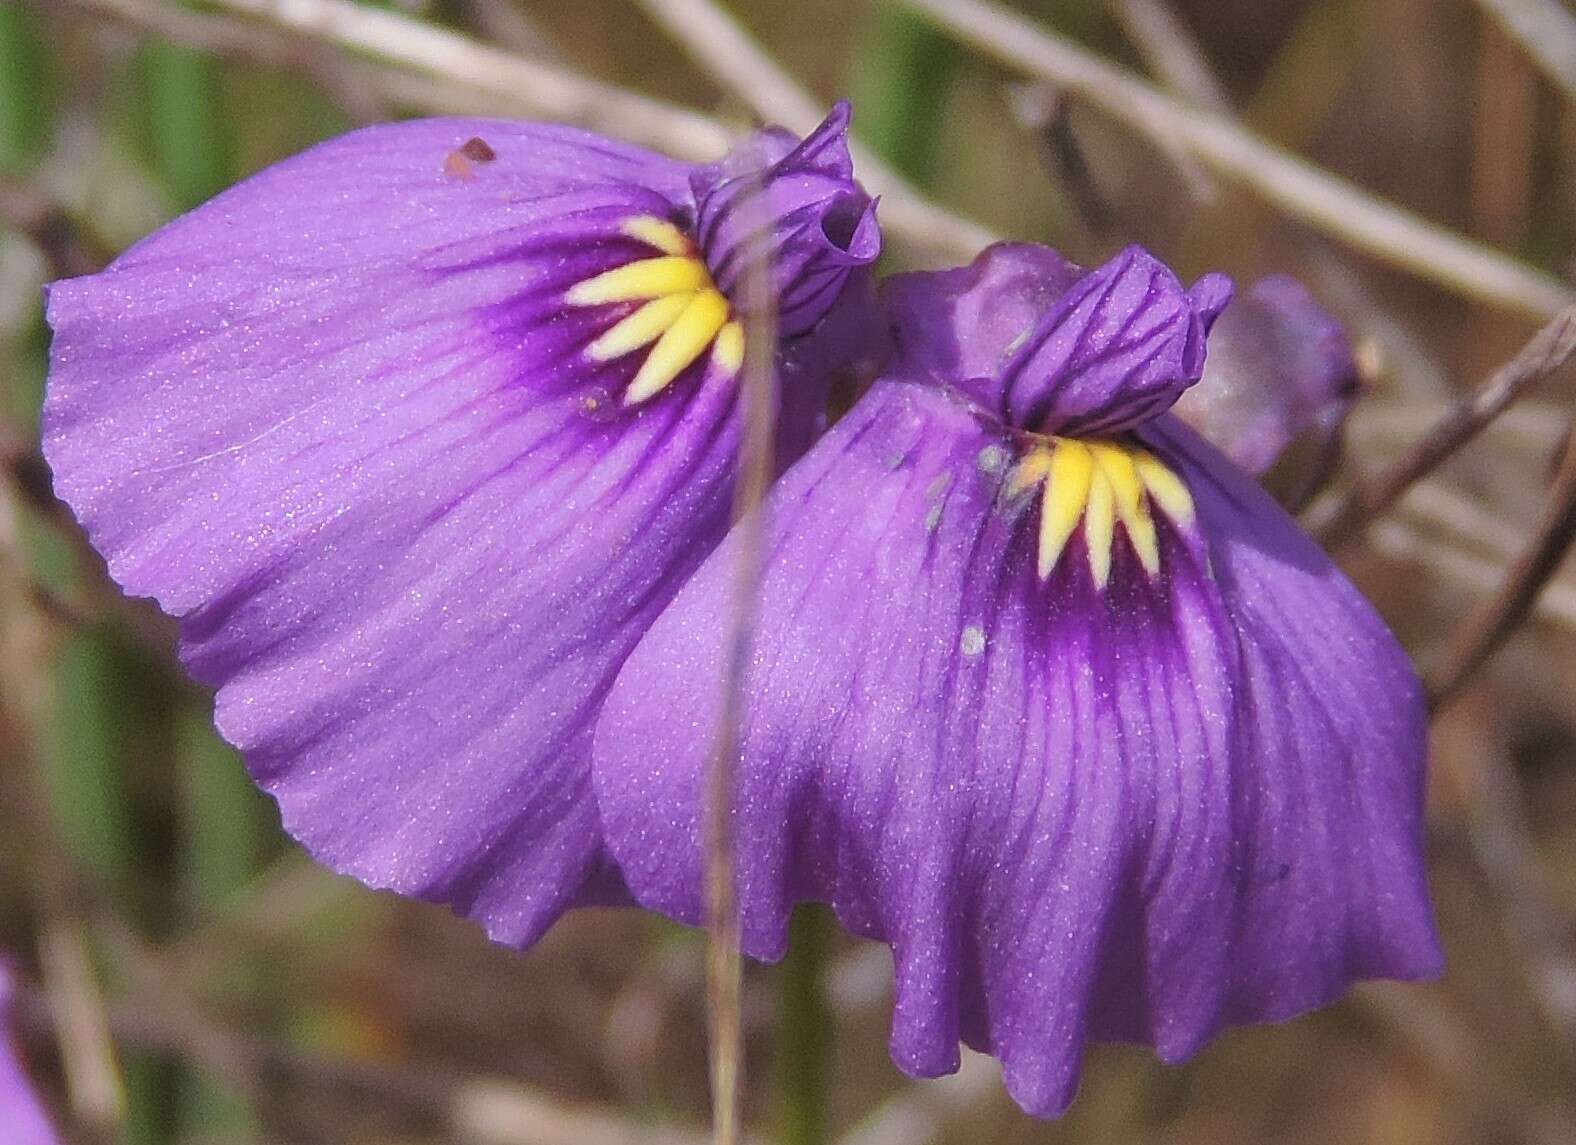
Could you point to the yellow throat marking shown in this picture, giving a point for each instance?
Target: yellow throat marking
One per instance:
(1100, 484)
(681, 315)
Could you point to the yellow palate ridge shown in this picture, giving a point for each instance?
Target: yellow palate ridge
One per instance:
(1099, 484)
(641, 328)
(638, 281)
(1100, 526)
(1071, 470)
(1165, 488)
(661, 234)
(681, 313)
(728, 353)
(680, 345)
(1029, 472)
(1127, 488)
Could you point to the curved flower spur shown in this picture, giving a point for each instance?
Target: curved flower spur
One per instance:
(416, 432)
(1046, 695)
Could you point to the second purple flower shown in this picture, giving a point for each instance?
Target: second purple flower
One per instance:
(1045, 694)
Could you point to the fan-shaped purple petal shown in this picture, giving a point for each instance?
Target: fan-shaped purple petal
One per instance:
(344, 424)
(1141, 812)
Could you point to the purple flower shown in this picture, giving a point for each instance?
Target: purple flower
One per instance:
(1280, 369)
(416, 433)
(1046, 695)
(21, 1112)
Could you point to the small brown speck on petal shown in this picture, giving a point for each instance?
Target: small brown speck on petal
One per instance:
(478, 149)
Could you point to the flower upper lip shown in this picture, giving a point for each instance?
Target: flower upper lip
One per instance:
(795, 209)
(1053, 349)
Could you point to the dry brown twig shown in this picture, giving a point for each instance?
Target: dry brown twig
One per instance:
(1171, 50)
(1550, 347)
(1298, 187)
(724, 49)
(1403, 542)
(1301, 189)
(1177, 60)
(1451, 536)
(1493, 622)
(509, 83)
(1502, 842)
(26, 208)
(510, 25)
(1452, 1051)
(73, 1005)
(1546, 31)
(1532, 425)
(481, 1111)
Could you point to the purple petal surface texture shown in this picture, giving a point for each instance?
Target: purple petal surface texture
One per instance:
(1085, 728)
(1117, 348)
(1280, 368)
(22, 1115)
(416, 432)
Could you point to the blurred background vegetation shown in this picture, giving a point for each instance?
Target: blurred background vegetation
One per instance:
(191, 978)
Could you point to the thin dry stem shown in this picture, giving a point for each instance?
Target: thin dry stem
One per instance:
(1177, 61)
(757, 462)
(514, 82)
(30, 210)
(1546, 31)
(1171, 51)
(1492, 624)
(1301, 189)
(1457, 1056)
(1401, 541)
(445, 71)
(1545, 353)
(1502, 841)
(87, 1054)
(724, 49)
(475, 1110)
(508, 24)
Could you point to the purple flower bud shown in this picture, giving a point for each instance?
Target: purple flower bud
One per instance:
(416, 432)
(1047, 695)
(1280, 368)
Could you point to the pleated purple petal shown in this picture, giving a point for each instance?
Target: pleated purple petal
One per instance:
(795, 207)
(1142, 812)
(961, 326)
(346, 424)
(22, 1117)
(1052, 348)
(1118, 348)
